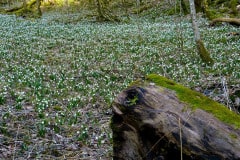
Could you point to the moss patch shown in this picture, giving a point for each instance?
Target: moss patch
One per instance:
(204, 54)
(197, 100)
(31, 9)
(233, 136)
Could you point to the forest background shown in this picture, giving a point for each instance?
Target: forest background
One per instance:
(64, 61)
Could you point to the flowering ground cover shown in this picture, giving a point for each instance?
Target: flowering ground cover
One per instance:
(57, 80)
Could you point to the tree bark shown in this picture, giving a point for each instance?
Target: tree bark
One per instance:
(198, 5)
(184, 7)
(204, 54)
(150, 122)
(100, 9)
(39, 12)
(103, 13)
(194, 20)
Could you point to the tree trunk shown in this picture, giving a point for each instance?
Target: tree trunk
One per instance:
(198, 5)
(100, 9)
(152, 122)
(204, 54)
(39, 12)
(103, 13)
(206, 9)
(194, 20)
(184, 7)
(66, 3)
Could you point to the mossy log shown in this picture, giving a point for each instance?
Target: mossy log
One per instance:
(217, 8)
(160, 119)
(30, 9)
(24, 5)
(232, 21)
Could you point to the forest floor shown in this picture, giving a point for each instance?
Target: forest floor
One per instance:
(58, 78)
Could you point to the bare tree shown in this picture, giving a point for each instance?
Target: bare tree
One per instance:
(204, 54)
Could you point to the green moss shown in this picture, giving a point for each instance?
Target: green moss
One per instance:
(212, 14)
(176, 9)
(28, 10)
(204, 54)
(25, 12)
(57, 108)
(233, 5)
(197, 100)
(209, 12)
(222, 8)
(136, 83)
(133, 100)
(217, 2)
(233, 136)
(172, 11)
(2, 100)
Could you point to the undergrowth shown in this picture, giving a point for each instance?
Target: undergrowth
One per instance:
(57, 80)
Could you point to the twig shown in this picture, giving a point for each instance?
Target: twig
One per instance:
(226, 92)
(180, 136)
(15, 145)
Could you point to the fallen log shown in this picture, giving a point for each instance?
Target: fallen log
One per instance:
(30, 9)
(23, 6)
(232, 21)
(160, 119)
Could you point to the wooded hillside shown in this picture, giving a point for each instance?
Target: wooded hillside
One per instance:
(60, 70)
(110, 10)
